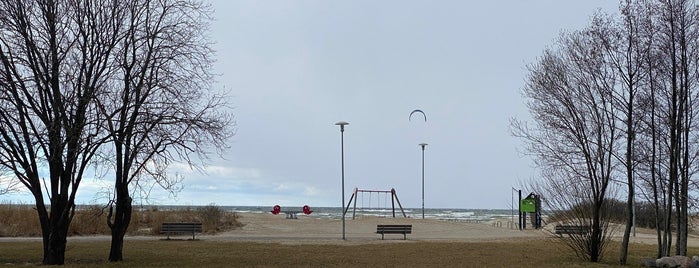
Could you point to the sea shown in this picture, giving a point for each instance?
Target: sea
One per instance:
(446, 214)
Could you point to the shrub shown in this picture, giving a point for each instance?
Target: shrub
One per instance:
(215, 219)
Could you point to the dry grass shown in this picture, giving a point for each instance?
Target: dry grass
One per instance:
(200, 253)
(19, 220)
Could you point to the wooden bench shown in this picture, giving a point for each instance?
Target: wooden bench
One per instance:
(393, 229)
(181, 228)
(571, 229)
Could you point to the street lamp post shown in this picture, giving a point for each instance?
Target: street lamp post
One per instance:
(342, 125)
(423, 178)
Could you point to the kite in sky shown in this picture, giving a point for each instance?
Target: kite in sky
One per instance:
(417, 111)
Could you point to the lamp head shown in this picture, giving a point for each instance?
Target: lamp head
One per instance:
(342, 125)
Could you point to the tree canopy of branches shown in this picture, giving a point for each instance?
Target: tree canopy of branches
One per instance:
(86, 81)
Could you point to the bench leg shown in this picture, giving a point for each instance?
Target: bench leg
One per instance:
(405, 236)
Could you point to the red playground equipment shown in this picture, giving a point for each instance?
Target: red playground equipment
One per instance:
(291, 214)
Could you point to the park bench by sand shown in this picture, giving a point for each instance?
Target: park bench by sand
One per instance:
(571, 229)
(180, 228)
(393, 229)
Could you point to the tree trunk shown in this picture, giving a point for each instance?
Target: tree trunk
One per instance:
(674, 124)
(684, 143)
(55, 232)
(667, 243)
(629, 223)
(678, 209)
(122, 220)
(659, 234)
(55, 249)
(596, 236)
(629, 175)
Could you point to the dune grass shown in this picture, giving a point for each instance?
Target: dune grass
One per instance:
(547, 252)
(21, 220)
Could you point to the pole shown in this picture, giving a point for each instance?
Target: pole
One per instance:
(342, 152)
(342, 148)
(519, 205)
(423, 179)
(633, 212)
(512, 206)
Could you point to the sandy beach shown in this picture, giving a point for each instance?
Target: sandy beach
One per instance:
(309, 229)
(268, 228)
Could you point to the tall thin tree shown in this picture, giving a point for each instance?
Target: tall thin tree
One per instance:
(626, 44)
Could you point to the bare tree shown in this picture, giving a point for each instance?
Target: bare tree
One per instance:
(666, 136)
(158, 109)
(570, 95)
(677, 49)
(651, 53)
(651, 170)
(53, 64)
(627, 42)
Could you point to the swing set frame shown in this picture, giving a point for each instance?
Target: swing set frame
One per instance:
(355, 196)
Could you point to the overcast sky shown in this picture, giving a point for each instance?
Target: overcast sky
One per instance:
(295, 68)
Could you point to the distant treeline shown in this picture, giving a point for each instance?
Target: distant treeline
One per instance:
(616, 209)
